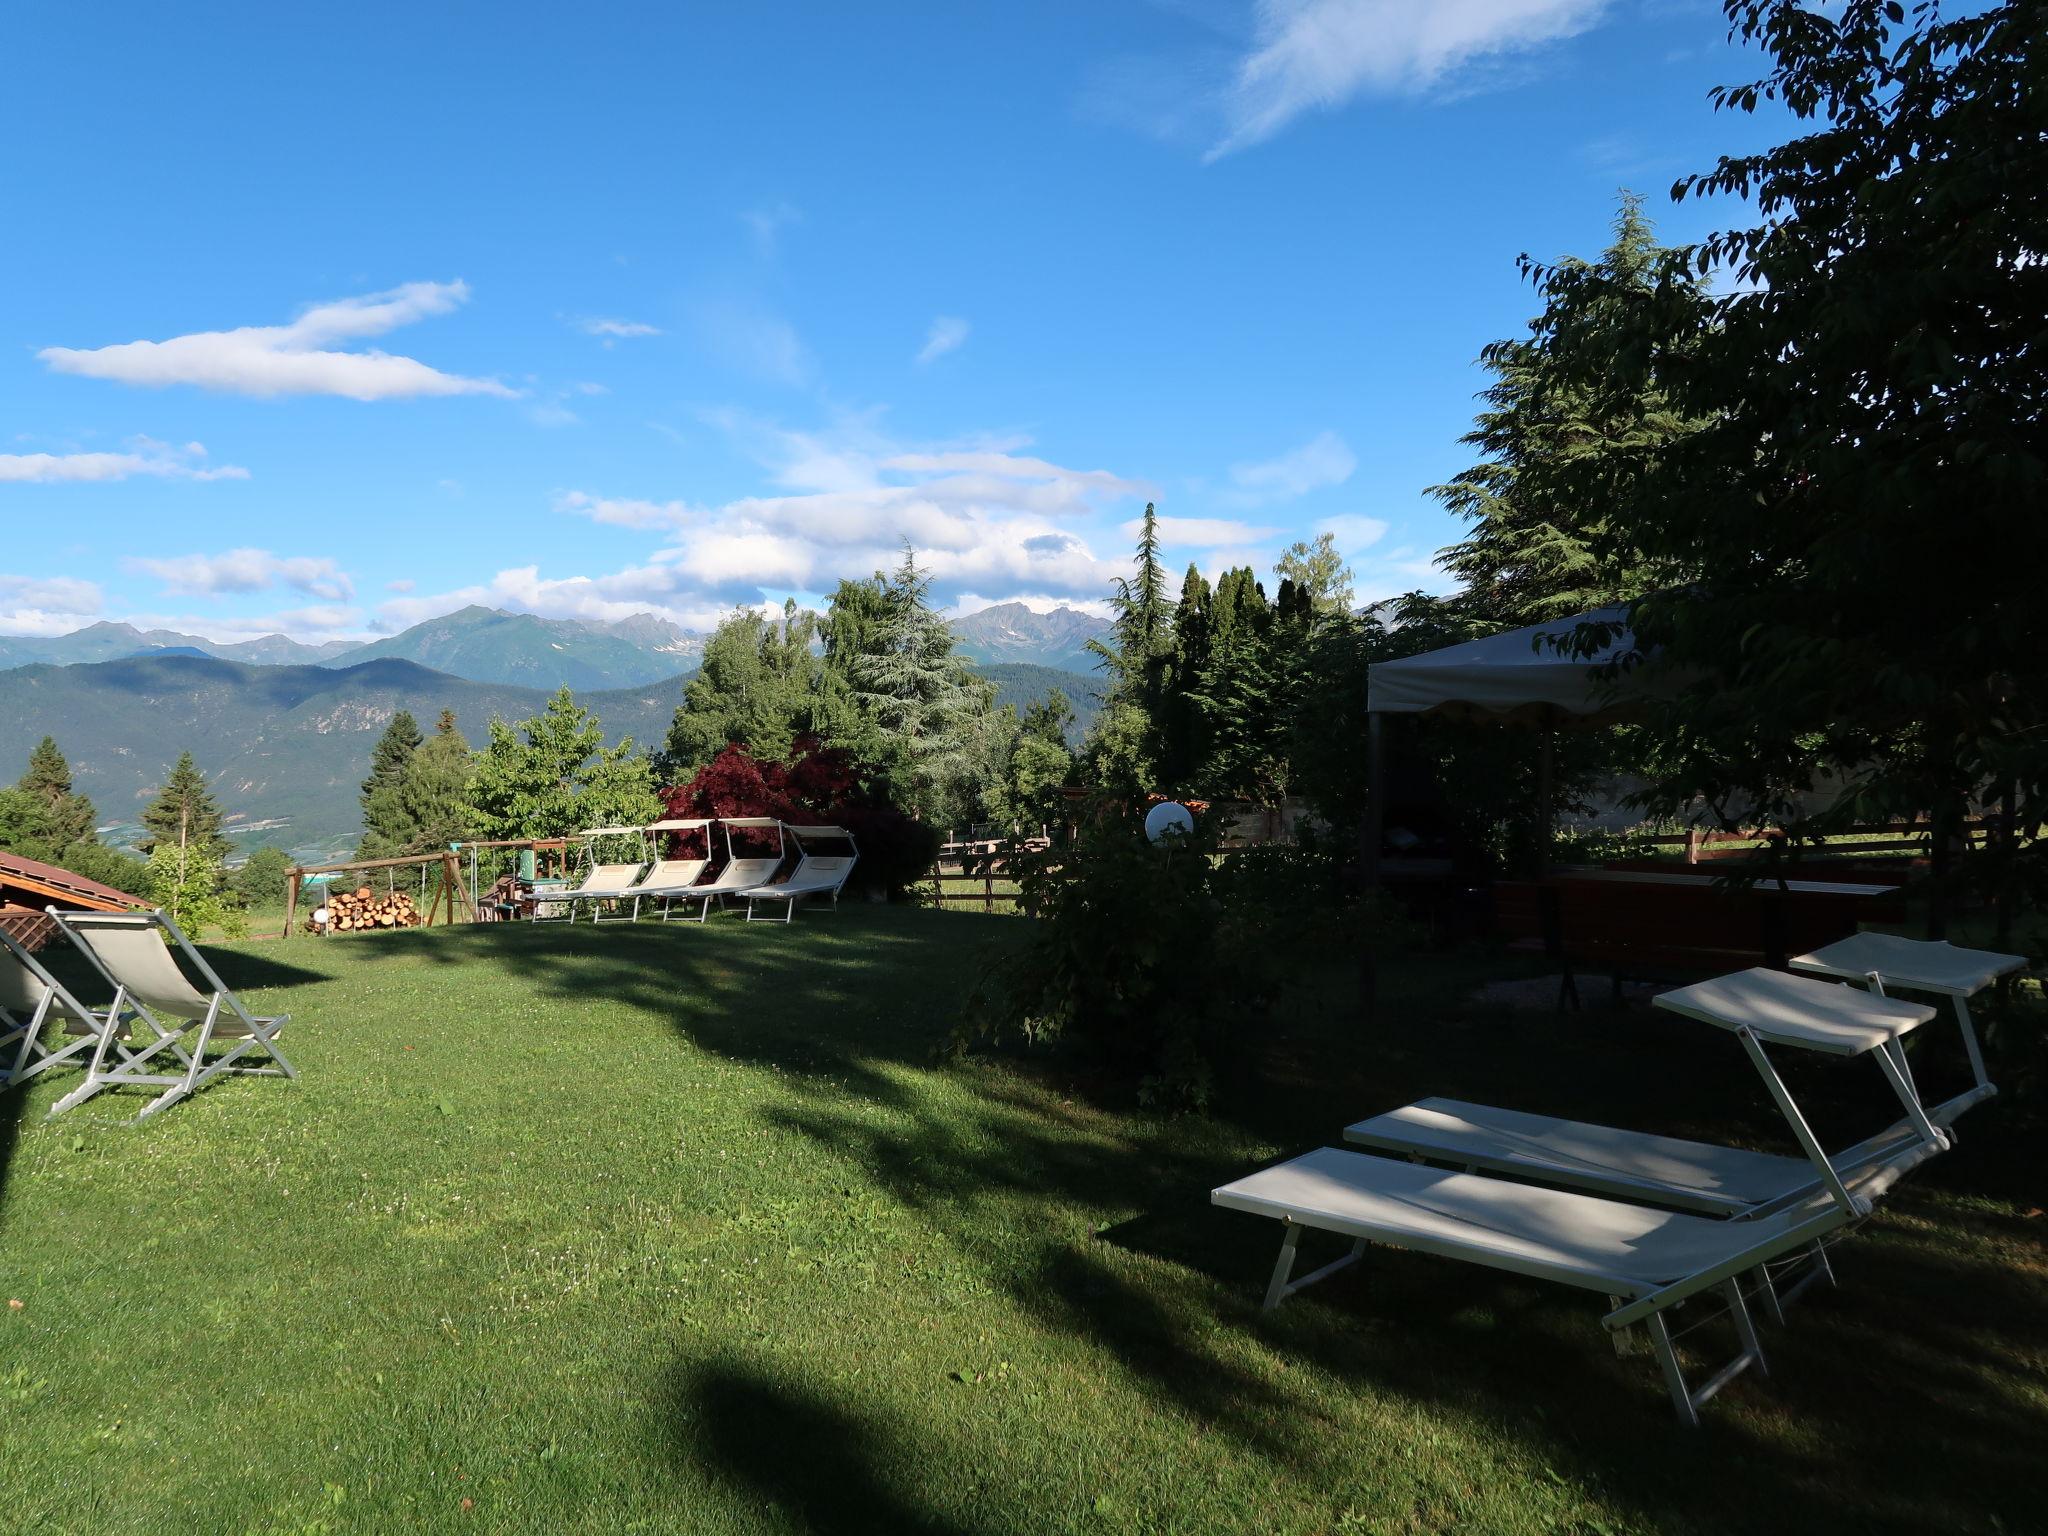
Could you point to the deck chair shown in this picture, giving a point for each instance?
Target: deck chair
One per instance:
(1645, 1261)
(1696, 1176)
(605, 882)
(667, 879)
(31, 1002)
(1884, 962)
(814, 875)
(149, 980)
(738, 876)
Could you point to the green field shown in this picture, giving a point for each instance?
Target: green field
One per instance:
(683, 1229)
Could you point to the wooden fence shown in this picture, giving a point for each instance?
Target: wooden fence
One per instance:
(1704, 846)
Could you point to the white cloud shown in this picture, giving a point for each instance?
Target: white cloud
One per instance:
(768, 223)
(983, 520)
(320, 621)
(946, 335)
(613, 331)
(145, 457)
(47, 605)
(1321, 53)
(1354, 533)
(402, 584)
(294, 359)
(765, 346)
(247, 570)
(1323, 460)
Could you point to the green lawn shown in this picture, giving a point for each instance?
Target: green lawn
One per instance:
(681, 1229)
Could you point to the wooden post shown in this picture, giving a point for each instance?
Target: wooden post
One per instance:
(293, 877)
(988, 889)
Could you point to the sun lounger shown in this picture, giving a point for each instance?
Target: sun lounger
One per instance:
(1885, 962)
(815, 874)
(1645, 1260)
(1688, 1175)
(32, 1001)
(129, 950)
(604, 882)
(737, 875)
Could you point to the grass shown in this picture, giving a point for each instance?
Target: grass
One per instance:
(682, 1229)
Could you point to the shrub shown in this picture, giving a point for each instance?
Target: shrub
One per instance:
(1140, 960)
(821, 785)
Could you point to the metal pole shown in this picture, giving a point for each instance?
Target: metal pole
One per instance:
(1375, 797)
(1546, 800)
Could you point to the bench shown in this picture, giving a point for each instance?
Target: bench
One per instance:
(1656, 926)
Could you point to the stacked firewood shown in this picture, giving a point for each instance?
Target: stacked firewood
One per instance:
(352, 911)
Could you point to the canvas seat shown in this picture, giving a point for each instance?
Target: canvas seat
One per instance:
(150, 979)
(604, 882)
(33, 1003)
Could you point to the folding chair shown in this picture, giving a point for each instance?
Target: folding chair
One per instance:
(128, 949)
(31, 1000)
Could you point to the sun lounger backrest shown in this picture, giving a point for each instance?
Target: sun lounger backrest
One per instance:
(670, 873)
(24, 983)
(132, 952)
(742, 873)
(611, 877)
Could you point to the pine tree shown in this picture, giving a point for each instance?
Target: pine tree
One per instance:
(70, 816)
(388, 831)
(922, 697)
(184, 814)
(434, 790)
(758, 684)
(1560, 487)
(1126, 745)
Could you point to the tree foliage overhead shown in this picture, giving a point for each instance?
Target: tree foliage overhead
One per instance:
(1862, 501)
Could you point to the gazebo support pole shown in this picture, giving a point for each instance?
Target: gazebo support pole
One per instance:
(1373, 828)
(1546, 800)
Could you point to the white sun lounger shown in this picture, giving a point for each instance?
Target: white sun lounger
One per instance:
(129, 950)
(1644, 1260)
(1883, 961)
(31, 1002)
(814, 875)
(1663, 1170)
(737, 875)
(605, 882)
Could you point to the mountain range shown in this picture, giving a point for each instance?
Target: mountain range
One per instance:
(488, 645)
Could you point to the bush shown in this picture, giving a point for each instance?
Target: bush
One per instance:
(109, 866)
(817, 785)
(1141, 959)
(260, 880)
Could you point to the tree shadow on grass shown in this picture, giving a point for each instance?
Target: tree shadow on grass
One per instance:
(795, 1452)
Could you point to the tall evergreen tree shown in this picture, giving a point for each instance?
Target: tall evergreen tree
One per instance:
(922, 696)
(1125, 747)
(185, 815)
(48, 782)
(1558, 493)
(386, 830)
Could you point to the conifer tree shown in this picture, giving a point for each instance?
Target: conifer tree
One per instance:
(184, 814)
(48, 783)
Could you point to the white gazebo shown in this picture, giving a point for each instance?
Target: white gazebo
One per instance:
(1526, 677)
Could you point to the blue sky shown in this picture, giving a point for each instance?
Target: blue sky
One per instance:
(326, 320)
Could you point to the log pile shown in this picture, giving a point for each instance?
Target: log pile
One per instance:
(353, 911)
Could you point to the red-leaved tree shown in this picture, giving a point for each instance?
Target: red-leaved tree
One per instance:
(817, 786)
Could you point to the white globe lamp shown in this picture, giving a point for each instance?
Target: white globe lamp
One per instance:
(1169, 822)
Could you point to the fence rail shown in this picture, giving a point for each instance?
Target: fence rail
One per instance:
(1875, 837)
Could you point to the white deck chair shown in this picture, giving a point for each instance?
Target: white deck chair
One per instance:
(1645, 1260)
(668, 879)
(1884, 962)
(31, 1002)
(604, 882)
(814, 875)
(129, 950)
(737, 875)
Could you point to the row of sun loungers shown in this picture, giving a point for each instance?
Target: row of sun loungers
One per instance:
(676, 887)
(1652, 1221)
(162, 1029)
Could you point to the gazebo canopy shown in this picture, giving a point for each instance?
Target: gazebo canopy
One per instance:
(1519, 677)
